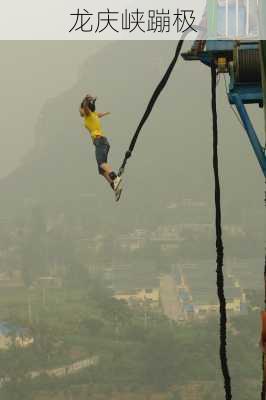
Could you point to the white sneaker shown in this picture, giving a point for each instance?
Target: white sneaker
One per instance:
(118, 193)
(117, 183)
(118, 187)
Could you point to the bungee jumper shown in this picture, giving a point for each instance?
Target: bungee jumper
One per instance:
(93, 125)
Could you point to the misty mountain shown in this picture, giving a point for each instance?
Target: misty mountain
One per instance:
(172, 159)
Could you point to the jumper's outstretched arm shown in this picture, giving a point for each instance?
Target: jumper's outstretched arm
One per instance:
(103, 114)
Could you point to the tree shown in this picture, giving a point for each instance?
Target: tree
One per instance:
(15, 367)
(160, 359)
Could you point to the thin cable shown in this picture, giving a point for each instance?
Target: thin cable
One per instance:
(219, 245)
(232, 108)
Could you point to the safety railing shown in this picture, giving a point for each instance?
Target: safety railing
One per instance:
(232, 19)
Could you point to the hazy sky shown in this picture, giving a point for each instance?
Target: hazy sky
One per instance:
(31, 73)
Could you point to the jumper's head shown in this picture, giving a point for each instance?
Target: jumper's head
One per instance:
(89, 103)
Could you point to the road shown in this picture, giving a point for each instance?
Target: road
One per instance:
(168, 296)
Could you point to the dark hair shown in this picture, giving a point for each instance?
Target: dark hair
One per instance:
(91, 105)
(88, 102)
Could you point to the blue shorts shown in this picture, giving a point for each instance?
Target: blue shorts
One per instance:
(102, 148)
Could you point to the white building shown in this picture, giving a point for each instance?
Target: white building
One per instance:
(10, 334)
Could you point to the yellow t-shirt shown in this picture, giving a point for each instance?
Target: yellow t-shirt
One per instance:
(92, 123)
